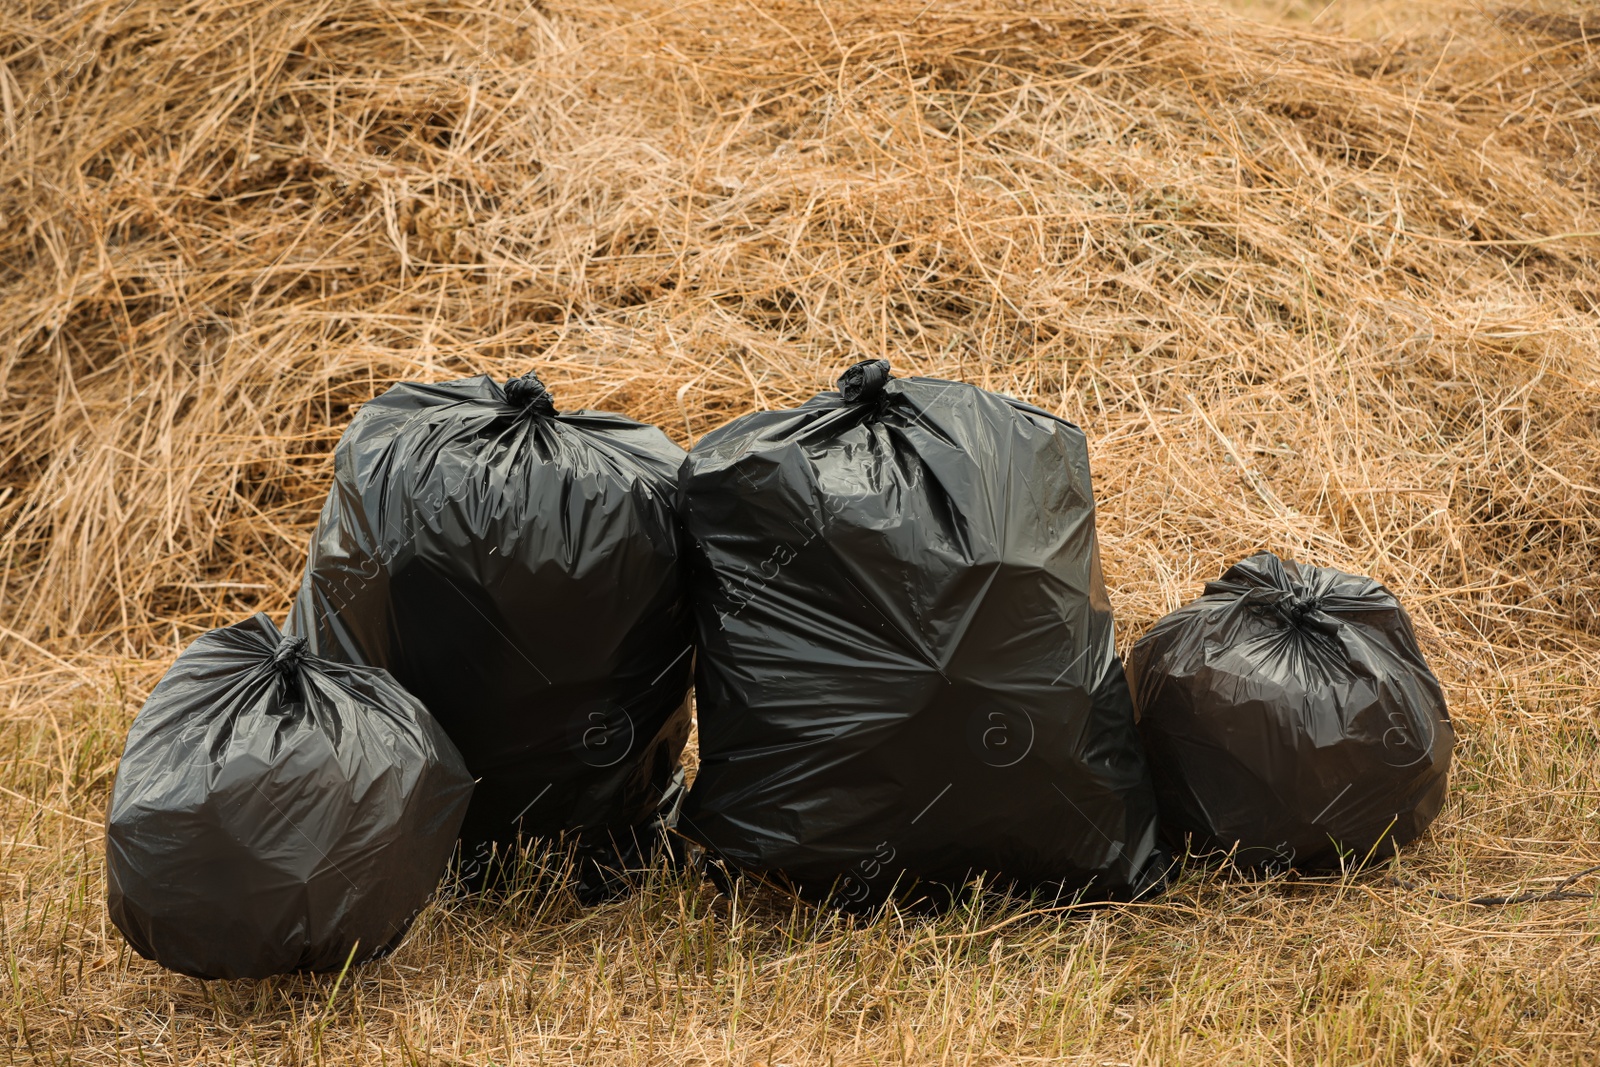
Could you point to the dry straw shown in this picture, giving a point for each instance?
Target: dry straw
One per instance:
(1305, 292)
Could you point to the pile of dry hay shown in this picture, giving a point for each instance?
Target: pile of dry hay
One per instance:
(1333, 298)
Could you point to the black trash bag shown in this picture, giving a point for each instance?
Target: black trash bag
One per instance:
(275, 812)
(907, 676)
(1288, 714)
(519, 570)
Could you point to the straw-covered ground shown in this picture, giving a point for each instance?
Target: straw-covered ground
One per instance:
(1326, 285)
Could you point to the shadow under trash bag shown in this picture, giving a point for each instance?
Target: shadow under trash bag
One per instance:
(1290, 718)
(518, 569)
(274, 812)
(907, 674)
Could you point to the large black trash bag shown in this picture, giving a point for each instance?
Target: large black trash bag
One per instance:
(275, 812)
(1289, 715)
(519, 571)
(907, 676)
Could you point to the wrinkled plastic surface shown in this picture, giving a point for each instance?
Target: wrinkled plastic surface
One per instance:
(907, 675)
(519, 571)
(1288, 713)
(275, 812)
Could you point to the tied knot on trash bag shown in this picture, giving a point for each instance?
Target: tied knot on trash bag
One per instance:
(1305, 612)
(288, 654)
(1299, 610)
(529, 393)
(286, 661)
(864, 382)
(1300, 607)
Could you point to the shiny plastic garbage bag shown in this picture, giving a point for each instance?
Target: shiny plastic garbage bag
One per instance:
(519, 570)
(907, 676)
(274, 812)
(1289, 715)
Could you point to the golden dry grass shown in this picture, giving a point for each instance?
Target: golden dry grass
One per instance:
(1332, 293)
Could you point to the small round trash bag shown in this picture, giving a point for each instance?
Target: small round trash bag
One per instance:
(274, 812)
(1289, 718)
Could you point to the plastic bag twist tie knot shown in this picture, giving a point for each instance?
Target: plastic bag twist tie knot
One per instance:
(863, 383)
(529, 392)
